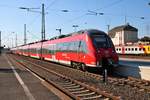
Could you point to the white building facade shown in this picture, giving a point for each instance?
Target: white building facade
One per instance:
(123, 35)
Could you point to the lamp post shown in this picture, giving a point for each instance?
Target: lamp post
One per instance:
(75, 27)
(25, 35)
(59, 31)
(43, 23)
(0, 39)
(16, 40)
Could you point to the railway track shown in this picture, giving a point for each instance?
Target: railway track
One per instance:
(75, 89)
(124, 87)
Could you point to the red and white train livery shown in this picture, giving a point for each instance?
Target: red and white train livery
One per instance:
(83, 49)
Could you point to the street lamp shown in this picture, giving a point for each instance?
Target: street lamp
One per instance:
(75, 27)
(65, 10)
(59, 31)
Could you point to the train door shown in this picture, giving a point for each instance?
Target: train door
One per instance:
(123, 50)
(81, 51)
(78, 51)
(54, 53)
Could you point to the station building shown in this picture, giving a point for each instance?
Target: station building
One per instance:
(124, 34)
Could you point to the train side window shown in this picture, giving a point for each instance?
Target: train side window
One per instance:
(143, 49)
(71, 46)
(135, 49)
(139, 49)
(68, 47)
(119, 49)
(126, 49)
(132, 49)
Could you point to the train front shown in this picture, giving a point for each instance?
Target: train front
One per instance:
(103, 49)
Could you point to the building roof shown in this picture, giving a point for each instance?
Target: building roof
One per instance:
(125, 27)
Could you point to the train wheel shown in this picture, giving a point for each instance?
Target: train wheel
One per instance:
(78, 67)
(83, 67)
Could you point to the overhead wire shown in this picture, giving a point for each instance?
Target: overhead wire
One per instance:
(109, 5)
(35, 19)
(83, 15)
(52, 3)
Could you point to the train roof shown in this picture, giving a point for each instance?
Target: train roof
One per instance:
(89, 31)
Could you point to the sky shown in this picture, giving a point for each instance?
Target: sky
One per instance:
(80, 12)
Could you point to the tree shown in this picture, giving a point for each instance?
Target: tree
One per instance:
(145, 39)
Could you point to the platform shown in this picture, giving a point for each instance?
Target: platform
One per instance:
(16, 83)
(139, 68)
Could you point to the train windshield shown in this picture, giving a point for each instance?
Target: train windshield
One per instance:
(102, 41)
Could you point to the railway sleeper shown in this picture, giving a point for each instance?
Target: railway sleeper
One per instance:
(73, 87)
(79, 92)
(65, 83)
(76, 89)
(86, 94)
(68, 85)
(95, 97)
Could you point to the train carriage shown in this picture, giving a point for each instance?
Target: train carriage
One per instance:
(133, 49)
(34, 50)
(86, 48)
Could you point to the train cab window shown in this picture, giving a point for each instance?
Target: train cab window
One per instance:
(119, 49)
(116, 49)
(126, 49)
(101, 40)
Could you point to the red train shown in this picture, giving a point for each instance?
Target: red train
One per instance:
(83, 49)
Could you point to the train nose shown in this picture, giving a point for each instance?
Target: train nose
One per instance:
(106, 57)
(104, 53)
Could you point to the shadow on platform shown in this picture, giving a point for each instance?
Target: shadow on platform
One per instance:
(138, 72)
(9, 70)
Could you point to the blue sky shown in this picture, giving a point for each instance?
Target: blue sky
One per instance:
(12, 19)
